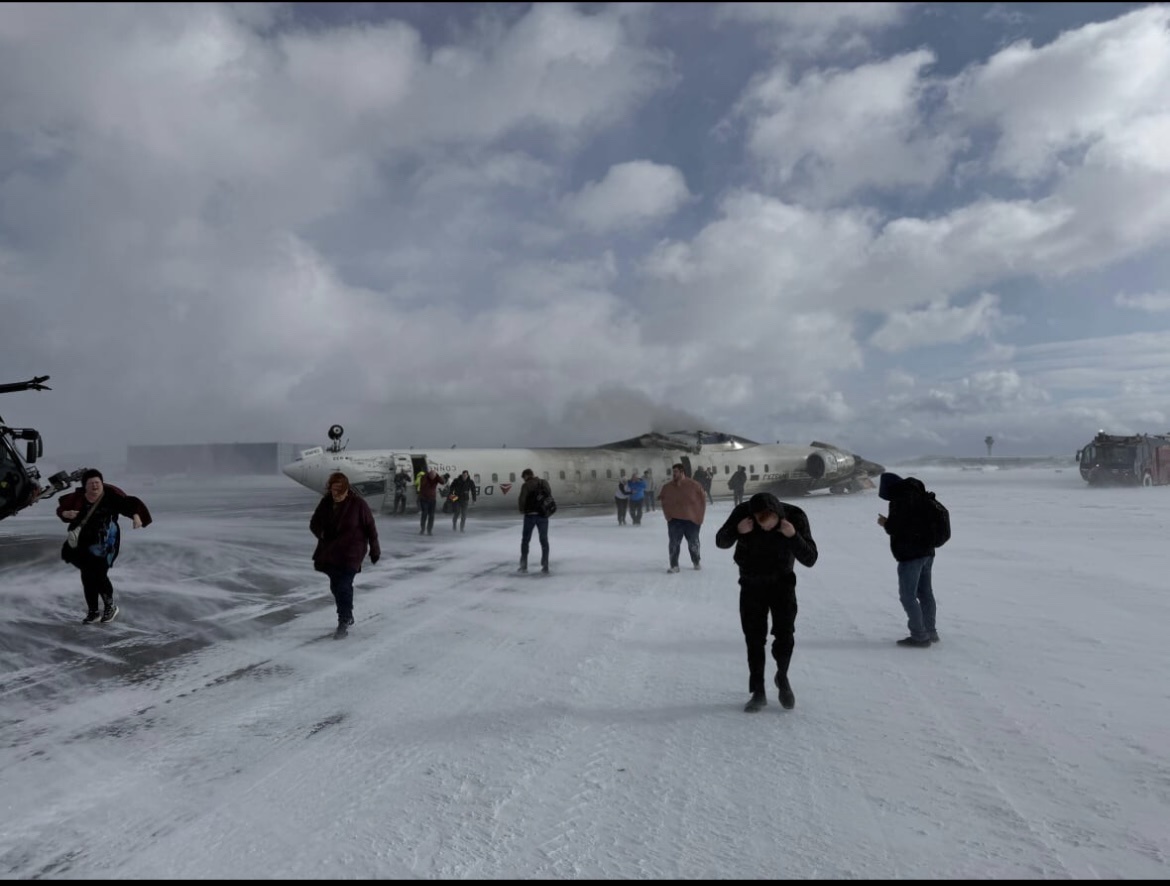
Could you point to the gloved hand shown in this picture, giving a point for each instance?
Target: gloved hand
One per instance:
(374, 558)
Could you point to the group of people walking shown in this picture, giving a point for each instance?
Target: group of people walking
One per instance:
(769, 537)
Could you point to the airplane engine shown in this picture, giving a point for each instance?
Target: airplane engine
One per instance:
(828, 464)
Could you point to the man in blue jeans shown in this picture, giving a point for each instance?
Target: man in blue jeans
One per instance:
(911, 542)
(533, 519)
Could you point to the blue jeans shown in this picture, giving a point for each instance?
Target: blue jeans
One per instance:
(532, 521)
(678, 529)
(341, 586)
(917, 596)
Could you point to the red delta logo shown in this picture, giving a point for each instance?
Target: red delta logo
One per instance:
(505, 487)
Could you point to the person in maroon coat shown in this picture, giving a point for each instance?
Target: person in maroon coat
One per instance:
(344, 528)
(93, 510)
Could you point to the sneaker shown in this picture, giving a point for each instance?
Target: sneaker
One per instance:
(697, 566)
(544, 569)
(757, 701)
(342, 631)
(90, 617)
(349, 621)
(523, 568)
(110, 613)
(934, 636)
(672, 569)
(787, 696)
(917, 644)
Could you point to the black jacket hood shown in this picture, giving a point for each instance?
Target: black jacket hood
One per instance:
(765, 501)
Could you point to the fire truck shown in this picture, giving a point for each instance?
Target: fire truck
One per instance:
(20, 481)
(1138, 459)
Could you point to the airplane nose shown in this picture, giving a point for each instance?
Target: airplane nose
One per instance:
(294, 471)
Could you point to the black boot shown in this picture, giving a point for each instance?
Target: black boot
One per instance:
(523, 565)
(787, 696)
(758, 700)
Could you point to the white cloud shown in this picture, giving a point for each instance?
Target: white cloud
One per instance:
(1150, 302)
(938, 324)
(630, 195)
(813, 27)
(1096, 82)
(833, 132)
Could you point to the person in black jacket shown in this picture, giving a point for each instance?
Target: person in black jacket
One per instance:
(912, 545)
(769, 536)
(344, 527)
(461, 494)
(93, 511)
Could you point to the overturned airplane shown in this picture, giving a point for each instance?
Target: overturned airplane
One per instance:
(588, 475)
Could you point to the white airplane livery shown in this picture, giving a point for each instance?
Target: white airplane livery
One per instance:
(588, 475)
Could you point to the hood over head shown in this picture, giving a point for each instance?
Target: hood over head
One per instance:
(891, 485)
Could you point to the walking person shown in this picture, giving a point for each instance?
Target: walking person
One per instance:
(401, 481)
(769, 536)
(621, 499)
(428, 494)
(737, 483)
(462, 494)
(703, 477)
(344, 528)
(684, 504)
(530, 491)
(651, 489)
(912, 544)
(95, 537)
(637, 488)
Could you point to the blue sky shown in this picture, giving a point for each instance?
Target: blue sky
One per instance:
(898, 227)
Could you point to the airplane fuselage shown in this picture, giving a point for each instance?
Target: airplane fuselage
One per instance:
(589, 475)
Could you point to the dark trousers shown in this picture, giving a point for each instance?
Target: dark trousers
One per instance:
(635, 511)
(458, 514)
(341, 586)
(95, 581)
(758, 598)
(426, 515)
(676, 531)
(622, 505)
(532, 521)
(738, 493)
(650, 500)
(399, 502)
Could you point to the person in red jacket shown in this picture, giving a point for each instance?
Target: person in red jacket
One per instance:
(92, 514)
(344, 528)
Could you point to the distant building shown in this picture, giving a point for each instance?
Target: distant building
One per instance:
(212, 459)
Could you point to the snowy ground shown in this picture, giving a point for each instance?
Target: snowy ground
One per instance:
(481, 724)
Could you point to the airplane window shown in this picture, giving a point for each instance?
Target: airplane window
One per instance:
(562, 475)
(727, 469)
(751, 469)
(495, 478)
(765, 469)
(545, 473)
(512, 477)
(578, 476)
(623, 472)
(476, 478)
(594, 473)
(609, 473)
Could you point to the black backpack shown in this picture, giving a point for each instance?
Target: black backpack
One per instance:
(940, 521)
(542, 500)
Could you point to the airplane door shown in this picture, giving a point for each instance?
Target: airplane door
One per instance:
(418, 463)
(686, 463)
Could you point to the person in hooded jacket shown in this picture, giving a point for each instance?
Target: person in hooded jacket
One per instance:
(769, 536)
(911, 543)
(94, 510)
(344, 527)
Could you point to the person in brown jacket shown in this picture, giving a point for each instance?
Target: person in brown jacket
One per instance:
(533, 518)
(93, 511)
(343, 526)
(684, 504)
(428, 494)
